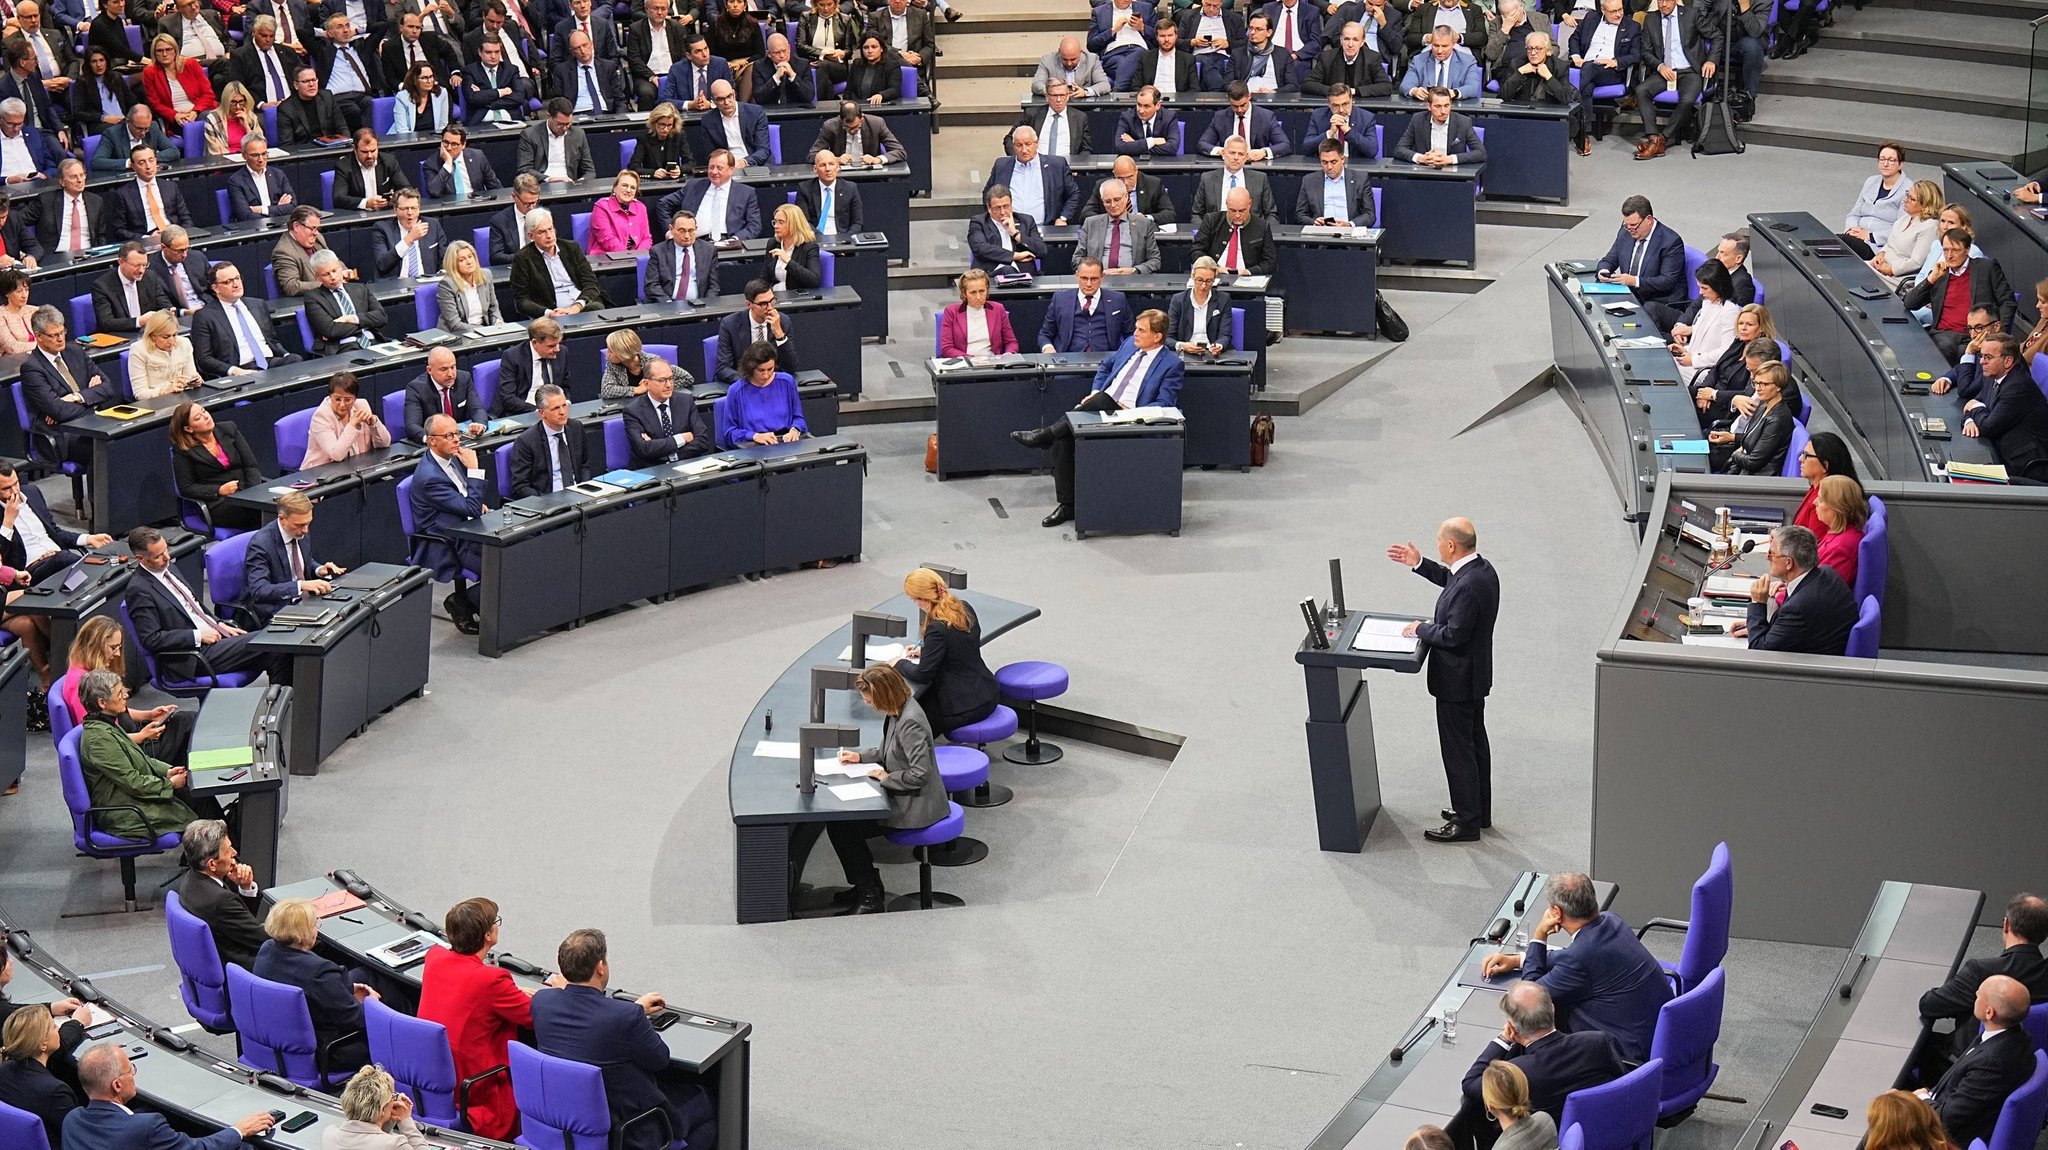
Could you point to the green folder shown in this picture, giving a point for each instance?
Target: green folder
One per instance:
(221, 758)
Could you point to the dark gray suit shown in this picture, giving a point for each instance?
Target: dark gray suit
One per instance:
(1140, 242)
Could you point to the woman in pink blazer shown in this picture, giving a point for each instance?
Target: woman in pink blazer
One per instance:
(345, 425)
(975, 326)
(618, 222)
(1843, 510)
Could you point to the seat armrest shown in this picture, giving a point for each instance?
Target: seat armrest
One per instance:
(1678, 924)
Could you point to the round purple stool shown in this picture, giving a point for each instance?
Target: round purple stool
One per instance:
(964, 769)
(1000, 724)
(920, 842)
(1028, 683)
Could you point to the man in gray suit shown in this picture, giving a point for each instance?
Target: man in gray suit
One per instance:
(1340, 196)
(1081, 69)
(555, 150)
(1136, 247)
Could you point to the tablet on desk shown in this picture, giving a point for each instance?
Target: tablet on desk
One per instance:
(124, 411)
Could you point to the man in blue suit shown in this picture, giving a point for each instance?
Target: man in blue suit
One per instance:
(1606, 981)
(1445, 65)
(61, 384)
(682, 268)
(582, 1023)
(1439, 137)
(688, 83)
(1553, 1062)
(1117, 35)
(1041, 187)
(1342, 120)
(442, 389)
(42, 160)
(725, 208)
(1258, 127)
(279, 568)
(1605, 52)
(257, 189)
(664, 425)
(2003, 407)
(1648, 259)
(1459, 638)
(1143, 372)
(1090, 318)
(1801, 605)
(1340, 197)
(455, 155)
(448, 488)
(741, 129)
(1297, 29)
(106, 1123)
(1147, 129)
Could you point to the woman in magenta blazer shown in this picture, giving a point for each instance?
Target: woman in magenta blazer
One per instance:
(1843, 510)
(975, 326)
(618, 222)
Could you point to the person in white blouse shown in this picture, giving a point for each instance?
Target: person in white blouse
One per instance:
(975, 326)
(160, 363)
(1713, 328)
(345, 425)
(468, 298)
(1912, 235)
(377, 1116)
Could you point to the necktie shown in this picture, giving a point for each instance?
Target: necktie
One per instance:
(547, 372)
(349, 54)
(590, 87)
(77, 224)
(1146, 130)
(686, 278)
(285, 34)
(1230, 252)
(298, 560)
(70, 381)
(1779, 597)
(186, 599)
(448, 402)
(183, 283)
(43, 58)
(411, 268)
(661, 410)
(1052, 134)
(156, 207)
(277, 85)
(412, 53)
(1126, 377)
(239, 314)
(1116, 241)
(701, 83)
(760, 333)
(1243, 131)
(561, 457)
(1443, 79)
(1635, 263)
(827, 222)
(461, 179)
(1286, 30)
(1088, 305)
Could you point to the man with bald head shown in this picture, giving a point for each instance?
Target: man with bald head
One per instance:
(1238, 239)
(779, 82)
(1554, 1063)
(1148, 195)
(1079, 68)
(1969, 1097)
(737, 127)
(105, 1122)
(593, 84)
(2023, 930)
(1459, 635)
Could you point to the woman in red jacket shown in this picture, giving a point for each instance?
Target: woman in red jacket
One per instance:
(1825, 455)
(177, 88)
(974, 326)
(482, 1008)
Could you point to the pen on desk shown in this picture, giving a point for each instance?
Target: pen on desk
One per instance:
(346, 918)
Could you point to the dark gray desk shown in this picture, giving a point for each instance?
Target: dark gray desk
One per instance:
(1343, 764)
(1028, 303)
(1127, 476)
(2007, 229)
(1423, 1084)
(196, 1092)
(1642, 420)
(257, 718)
(1868, 350)
(1856, 1047)
(101, 592)
(712, 1051)
(979, 406)
(366, 657)
(769, 812)
(566, 556)
(15, 683)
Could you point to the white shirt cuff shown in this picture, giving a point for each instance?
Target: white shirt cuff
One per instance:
(475, 473)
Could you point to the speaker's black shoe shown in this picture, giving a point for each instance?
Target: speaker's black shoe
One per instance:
(1060, 514)
(1451, 816)
(867, 900)
(1037, 437)
(1452, 833)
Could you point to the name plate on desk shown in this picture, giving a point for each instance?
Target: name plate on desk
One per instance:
(1339, 232)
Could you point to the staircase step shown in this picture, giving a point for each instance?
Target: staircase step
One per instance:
(1988, 90)
(993, 55)
(2010, 9)
(984, 100)
(1910, 34)
(1848, 127)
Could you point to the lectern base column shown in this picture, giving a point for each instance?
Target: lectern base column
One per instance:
(1342, 764)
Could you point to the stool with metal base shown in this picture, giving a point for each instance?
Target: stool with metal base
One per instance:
(920, 842)
(963, 768)
(1028, 683)
(1000, 724)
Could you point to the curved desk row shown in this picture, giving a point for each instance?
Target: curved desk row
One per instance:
(716, 1052)
(2013, 232)
(131, 473)
(1421, 1083)
(775, 821)
(1875, 358)
(1527, 148)
(1642, 419)
(571, 555)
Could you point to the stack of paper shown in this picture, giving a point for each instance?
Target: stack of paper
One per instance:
(1384, 635)
(854, 792)
(1960, 472)
(1728, 586)
(877, 652)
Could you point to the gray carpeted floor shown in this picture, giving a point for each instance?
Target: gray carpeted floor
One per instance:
(1155, 955)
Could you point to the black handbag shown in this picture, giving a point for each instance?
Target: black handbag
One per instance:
(1389, 321)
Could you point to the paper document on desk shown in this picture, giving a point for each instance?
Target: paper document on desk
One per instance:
(1714, 641)
(877, 652)
(1727, 586)
(1384, 635)
(1641, 342)
(774, 749)
(855, 792)
(1144, 415)
(831, 767)
(89, 1016)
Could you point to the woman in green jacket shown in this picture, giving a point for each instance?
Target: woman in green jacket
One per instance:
(119, 774)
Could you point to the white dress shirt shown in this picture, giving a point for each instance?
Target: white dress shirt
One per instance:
(567, 294)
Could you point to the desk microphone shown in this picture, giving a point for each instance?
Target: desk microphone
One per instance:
(83, 990)
(418, 921)
(1499, 930)
(1849, 988)
(352, 884)
(1522, 897)
(1401, 1051)
(519, 965)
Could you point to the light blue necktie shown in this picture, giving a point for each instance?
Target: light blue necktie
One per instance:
(461, 179)
(825, 223)
(242, 328)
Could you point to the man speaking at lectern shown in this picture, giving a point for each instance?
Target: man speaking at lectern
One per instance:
(1460, 641)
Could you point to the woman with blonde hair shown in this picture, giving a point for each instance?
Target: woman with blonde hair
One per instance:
(793, 264)
(467, 297)
(231, 123)
(160, 363)
(976, 325)
(662, 151)
(334, 1000)
(959, 687)
(175, 85)
(99, 646)
(1911, 236)
(625, 367)
(1902, 1120)
(1843, 509)
(376, 1116)
(908, 771)
(1505, 1090)
(618, 222)
(27, 1040)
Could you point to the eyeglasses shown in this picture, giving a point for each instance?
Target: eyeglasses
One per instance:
(1804, 454)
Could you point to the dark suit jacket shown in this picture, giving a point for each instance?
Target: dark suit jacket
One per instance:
(391, 58)
(1310, 22)
(1661, 278)
(1150, 200)
(1366, 76)
(1814, 620)
(1209, 194)
(643, 429)
(1555, 1065)
(384, 239)
(242, 194)
(214, 349)
(1180, 318)
(45, 388)
(480, 96)
(1688, 39)
(1062, 194)
(917, 22)
(2015, 423)
(1463, 144)
(532, 468)
(441, 183)
(735, 334)
(1076, 120)
(326, 58)
(742, 209)
(1357, 198)
(1278, 62)
(20, 240)
(237, 932)
(604, 35)
(28, 1085)
(423, 399)
(1361, 142)
(505, 242)
(1183, 65)
(1605, 981)
(584, 1025)
(322, 312)
(197, 272)
(110, 302)
(1988, 289)
(1098, 24)
(130, 219)
(49, 218)
(875, 139)
(1459, 633)
(348, 179)
(986, 241)
(640, 45)
(12, 551)
(245, 66)
(1761, 448)
(1256, 254)
(752, 144)
(1628, 42)
(1165, 125)
(1233, 28)
(1970, 1095)
(533, 290)
(950, 663)
(768, 92)
(515, 380)
(302, 121)
(661, 270)
(437, 505)
(806, 271)
(112, 35)
(611, 80)
(846, 207)
(330, 995)
(1066, 305)
(1265, 132)
(200, 475)
(105, 1126)
(1958, 996)
(89, 112)
(267, 579)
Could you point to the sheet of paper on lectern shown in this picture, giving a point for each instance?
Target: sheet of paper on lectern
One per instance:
(854, 792)
(1384, 635)
(775, 749)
